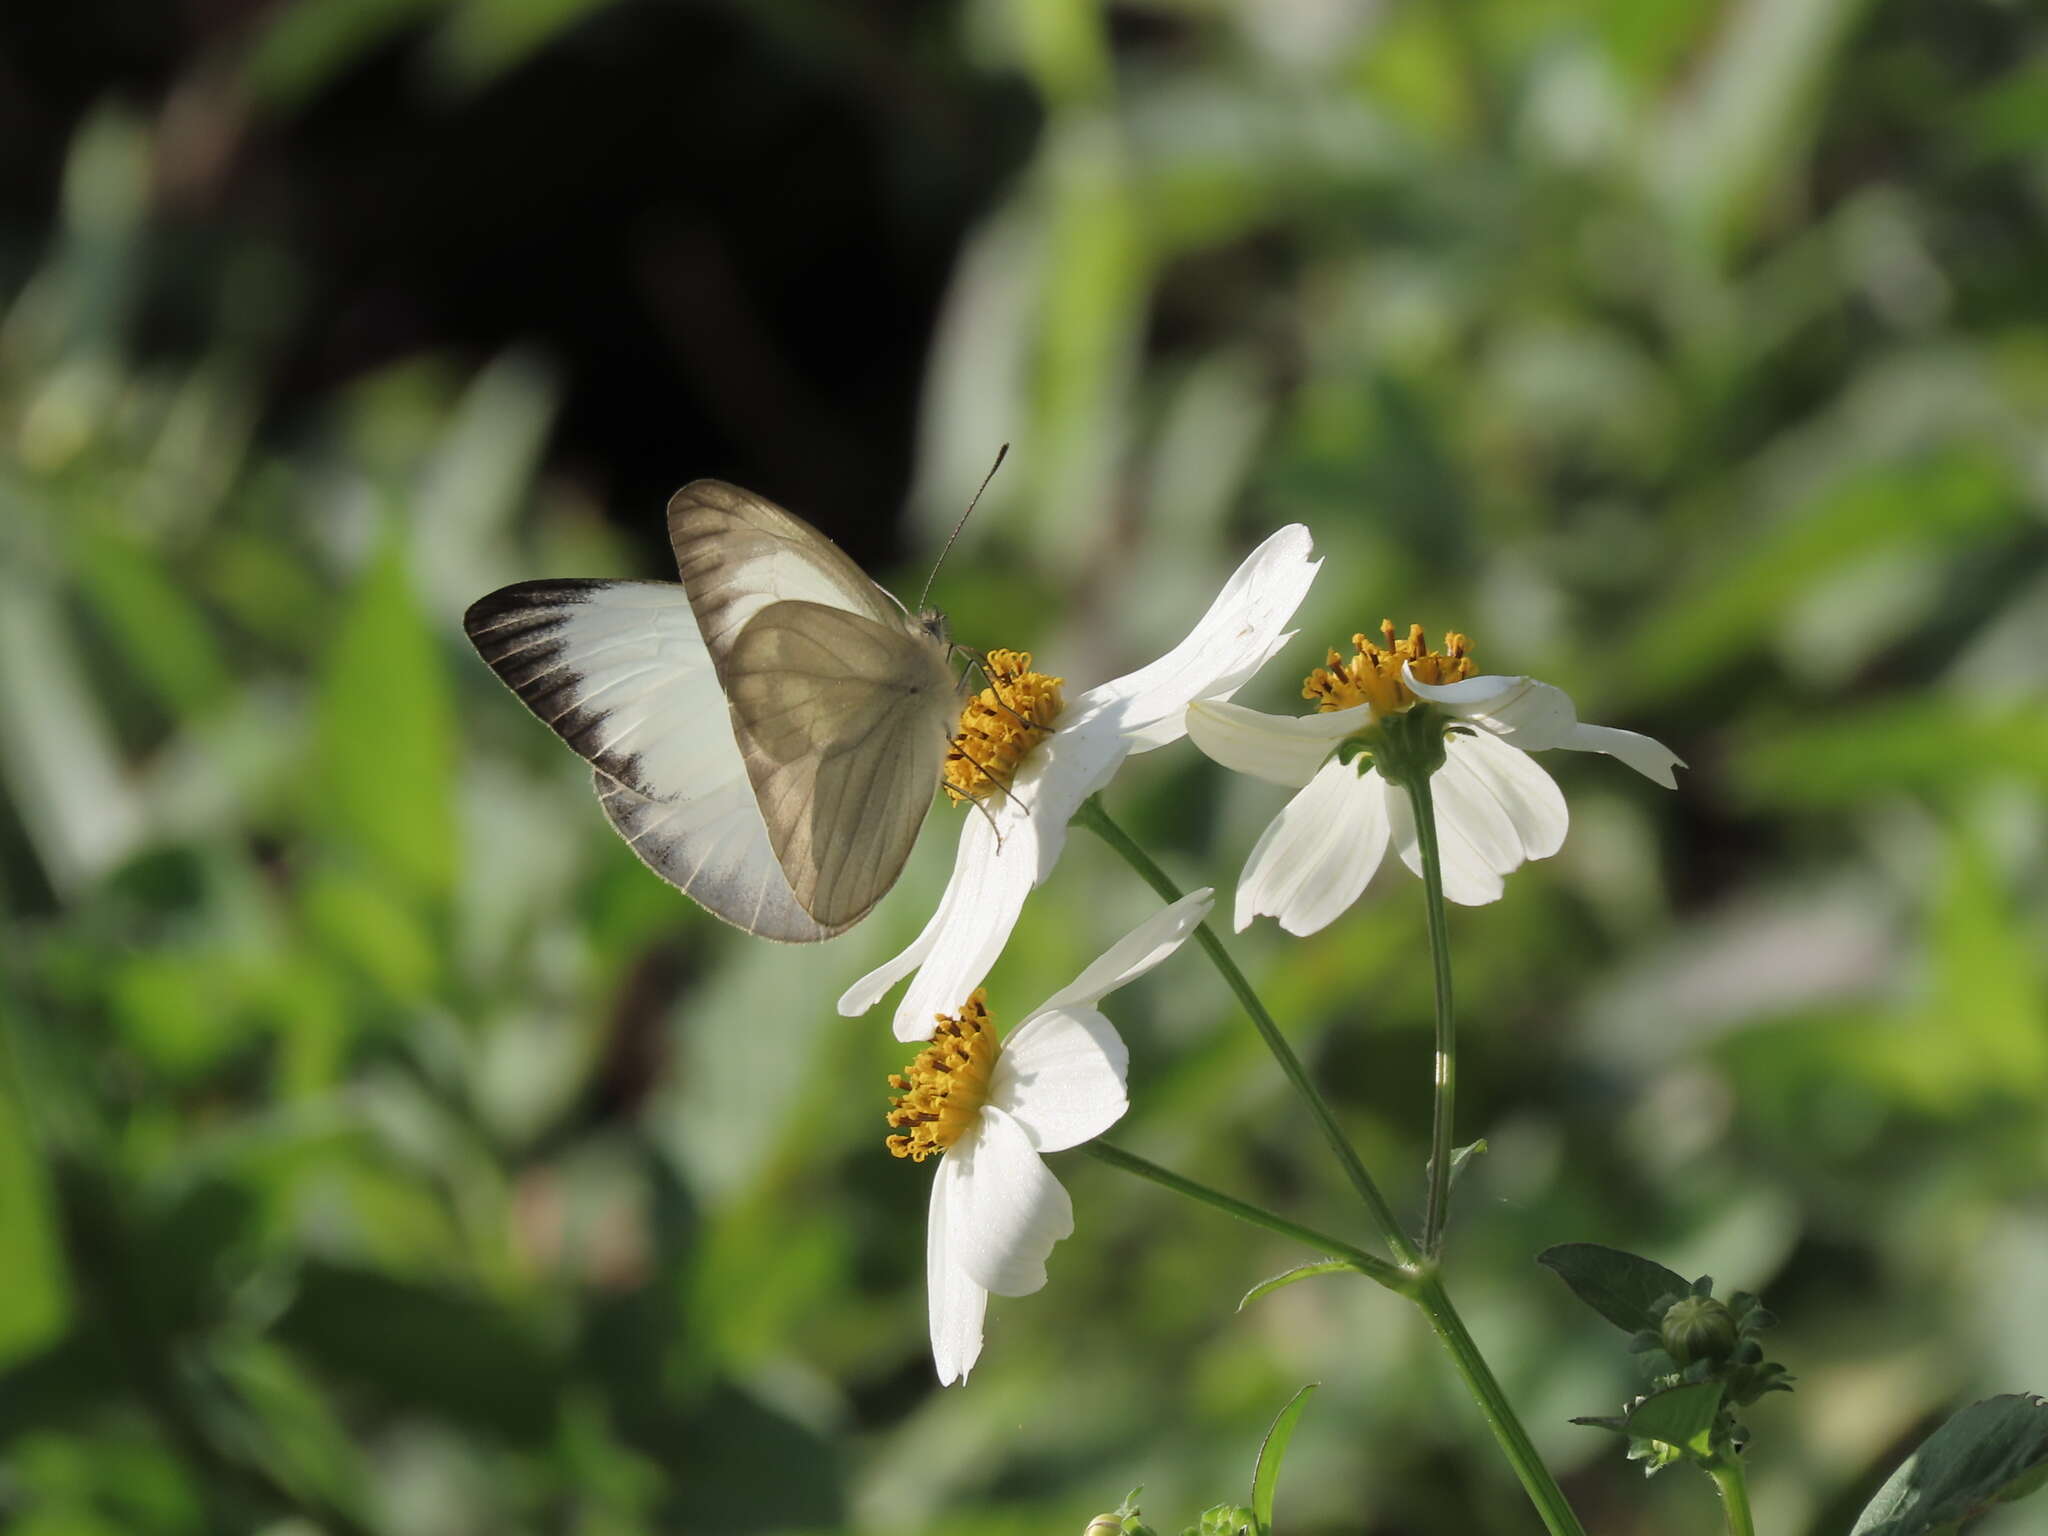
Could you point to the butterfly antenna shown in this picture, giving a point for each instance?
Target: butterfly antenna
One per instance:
(1001, 454)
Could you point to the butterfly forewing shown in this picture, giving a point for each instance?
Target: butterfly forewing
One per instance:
(617, 669)
(608, 665)
(737, 552)
(843, 723)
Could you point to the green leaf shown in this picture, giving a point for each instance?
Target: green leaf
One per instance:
(1953, 498)
(1735, 135)
(38, 1307)
(1924, 742)
(438, 1351)
(386, 748)
(1266, 1476)
(1992, 1452)
(1287, 1277)
(1461, 1156)
(162, 633)
(1679, 1416)
(1619, 1286)
(1613, 1423)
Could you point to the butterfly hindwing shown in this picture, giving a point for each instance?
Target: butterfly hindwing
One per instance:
(843, 723)
(715, 850)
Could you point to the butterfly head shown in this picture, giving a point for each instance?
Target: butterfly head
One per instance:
(933, 623)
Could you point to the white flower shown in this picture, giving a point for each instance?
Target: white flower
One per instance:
(1013, 848)
(1494, 807)
(988, 1110)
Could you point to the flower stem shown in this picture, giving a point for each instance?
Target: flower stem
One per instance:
(1437, 1211)
(1393, 1278)
(1096, 819)
(1541, 1487)
(1726, 1471)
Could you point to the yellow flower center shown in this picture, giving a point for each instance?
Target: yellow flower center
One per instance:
(1372, 675)
(1000, 726)
(940, 1094)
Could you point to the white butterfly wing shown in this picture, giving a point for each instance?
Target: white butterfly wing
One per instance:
(714, 849)
(843, 723)
(737, 552)
(618, 670)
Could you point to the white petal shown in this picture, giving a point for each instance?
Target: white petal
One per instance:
(1002, 856)
(954, 1304)
(1135, 953)
(1528, 795)
(991, 878)
(1007, 1210)
(1537, 717)
(1466, 807)
(1520, 710)
(1316, 856)
(1061, 1077)
(869, 990)
(1469, 879)
(1281, 749)
(1649, 757)
(1239, 633)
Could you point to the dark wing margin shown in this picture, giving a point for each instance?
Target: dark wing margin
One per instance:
(523, 633)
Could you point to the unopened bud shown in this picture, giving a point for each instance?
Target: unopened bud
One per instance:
(1121, 1521)
(1697, 1328)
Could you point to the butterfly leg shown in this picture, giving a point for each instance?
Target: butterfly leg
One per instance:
(978, 660)
(995, 783)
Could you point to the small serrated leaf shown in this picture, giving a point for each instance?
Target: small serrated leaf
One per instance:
(1288, 1276)
(1266, 1475)
(1621, 1287)
(1991, 1452)
(1679, 1416)
(1461, 1156)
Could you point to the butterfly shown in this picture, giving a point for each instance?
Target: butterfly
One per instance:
(767, 735)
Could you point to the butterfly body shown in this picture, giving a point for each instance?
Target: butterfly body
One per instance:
(767, 736)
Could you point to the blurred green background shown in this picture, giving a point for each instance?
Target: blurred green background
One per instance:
(383, 1150)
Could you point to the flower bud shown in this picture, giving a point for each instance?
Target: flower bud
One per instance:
(1121, 1521)
(1697, 1328)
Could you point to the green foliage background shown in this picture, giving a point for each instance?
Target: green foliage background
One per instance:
(382, 1149)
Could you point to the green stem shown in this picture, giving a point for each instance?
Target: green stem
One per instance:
(1726, 1471)
(1096, 820)
(1386, 1274)
(1442, 1118)
(1494, 1406)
